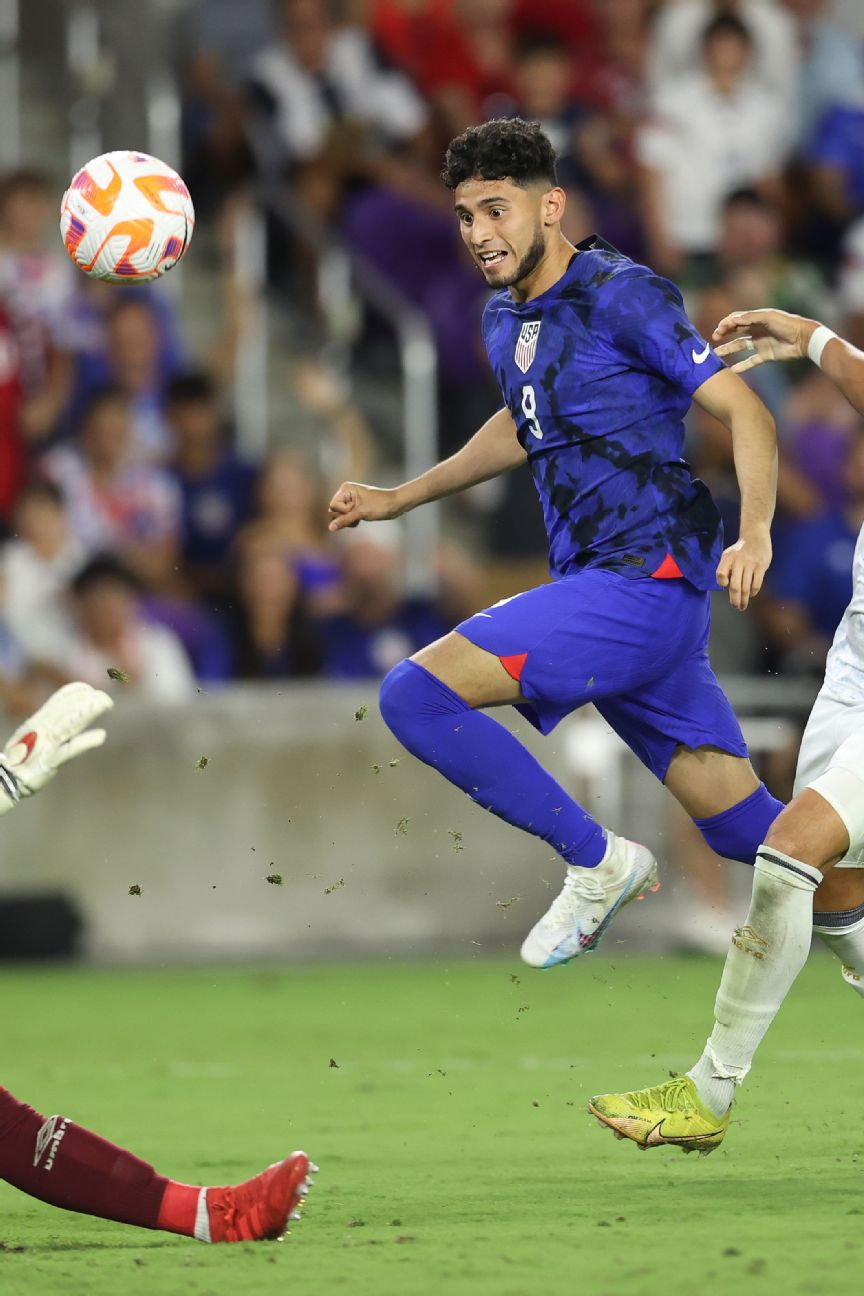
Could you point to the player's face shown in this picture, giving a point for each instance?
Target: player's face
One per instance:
(502, 226)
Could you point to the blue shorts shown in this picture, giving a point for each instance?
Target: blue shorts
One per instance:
(634, 647)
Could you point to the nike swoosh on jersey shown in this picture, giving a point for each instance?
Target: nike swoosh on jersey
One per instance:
(700, 356)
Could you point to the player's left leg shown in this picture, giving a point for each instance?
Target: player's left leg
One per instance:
(548, 651)
(66, 1165)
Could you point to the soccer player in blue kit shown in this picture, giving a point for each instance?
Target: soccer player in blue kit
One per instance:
(597, 363)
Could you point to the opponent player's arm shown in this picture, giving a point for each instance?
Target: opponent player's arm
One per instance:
(779, 335)
(56, 733)
(754, 447)
(493, 450)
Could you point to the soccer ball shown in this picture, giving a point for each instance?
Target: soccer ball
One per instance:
(126, 218)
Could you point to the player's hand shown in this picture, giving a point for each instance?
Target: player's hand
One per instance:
(773, 334)
(742, 569)
(58, 732)
(354, 502)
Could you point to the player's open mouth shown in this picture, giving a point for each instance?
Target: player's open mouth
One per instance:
(492, 258)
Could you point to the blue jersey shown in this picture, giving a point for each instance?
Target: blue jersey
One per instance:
(598, 373)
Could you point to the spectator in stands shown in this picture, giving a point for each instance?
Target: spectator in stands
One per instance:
(220, 39)
(137, 362)
(715, 129)
(324, 108)
(377, 625)
(112, 635)
(273, 637)
(610, 73)
(819, 428)
(752, 259)
(291, 517)
(36, 288)
(753, 265)
(836, 158)
(139, 358)
(115, 501)
(216, 486)
(811, 581)
(677, 36)
(36, 569)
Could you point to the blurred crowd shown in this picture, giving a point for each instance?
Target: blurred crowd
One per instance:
(721, 141)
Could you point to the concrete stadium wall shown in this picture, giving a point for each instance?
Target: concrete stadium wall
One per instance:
(290, 788)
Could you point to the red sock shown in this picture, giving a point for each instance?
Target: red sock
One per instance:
(68, 1166)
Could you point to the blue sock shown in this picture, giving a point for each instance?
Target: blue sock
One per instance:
(484, 759)
(737, 833)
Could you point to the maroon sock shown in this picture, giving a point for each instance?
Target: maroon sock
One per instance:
(63, 1164)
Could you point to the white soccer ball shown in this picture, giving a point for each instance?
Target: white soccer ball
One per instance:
(126, 218)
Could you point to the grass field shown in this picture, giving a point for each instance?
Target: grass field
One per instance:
(454, 1149)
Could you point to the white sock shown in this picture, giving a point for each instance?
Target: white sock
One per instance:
(843, 933)
(202, 1218)
(766, 956)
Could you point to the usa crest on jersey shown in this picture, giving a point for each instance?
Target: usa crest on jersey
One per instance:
(527, 345)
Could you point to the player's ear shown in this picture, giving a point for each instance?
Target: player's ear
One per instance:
(554, 202)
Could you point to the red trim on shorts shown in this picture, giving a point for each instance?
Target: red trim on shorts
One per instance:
(668, 569)
(514, 665)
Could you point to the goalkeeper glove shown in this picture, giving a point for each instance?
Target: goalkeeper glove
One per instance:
(55, 734)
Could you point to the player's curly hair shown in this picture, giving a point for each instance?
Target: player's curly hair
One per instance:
(510, 149)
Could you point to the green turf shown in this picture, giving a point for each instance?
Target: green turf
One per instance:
(454, 1149)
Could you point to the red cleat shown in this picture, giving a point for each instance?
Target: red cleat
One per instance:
(261, 1207)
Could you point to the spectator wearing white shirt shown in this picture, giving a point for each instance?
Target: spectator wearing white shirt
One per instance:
(324, 105)
(676, 41)
(112, 635)
(714, 130)
(116, 502)
(36, 569)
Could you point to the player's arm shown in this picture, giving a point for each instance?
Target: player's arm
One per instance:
(754, 446)
(493, 450)
(56, 733)
(778, 335)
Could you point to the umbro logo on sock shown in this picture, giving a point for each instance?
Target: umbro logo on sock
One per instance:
(48, 1140)
(748, 940)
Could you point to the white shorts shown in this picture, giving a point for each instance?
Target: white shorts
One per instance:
(831, 761)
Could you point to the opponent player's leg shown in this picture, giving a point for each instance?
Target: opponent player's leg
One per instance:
(838, 921)
(767, 953)
(62, 1163)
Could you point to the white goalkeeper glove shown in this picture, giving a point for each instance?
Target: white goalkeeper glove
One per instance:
(55, 734)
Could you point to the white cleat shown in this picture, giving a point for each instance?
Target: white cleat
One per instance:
(588, 901)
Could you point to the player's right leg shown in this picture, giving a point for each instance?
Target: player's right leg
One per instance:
(62, 1163)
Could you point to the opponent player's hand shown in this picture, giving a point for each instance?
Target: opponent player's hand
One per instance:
(354, 502)
(742, 568)
(58, 732)
(773, 334)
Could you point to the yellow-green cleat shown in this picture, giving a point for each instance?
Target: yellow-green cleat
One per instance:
(667, 1113)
